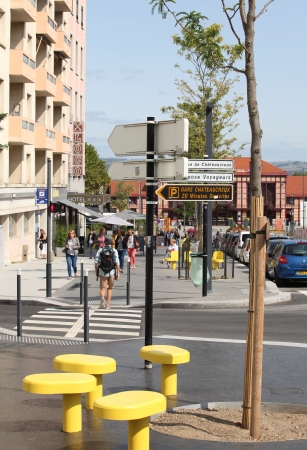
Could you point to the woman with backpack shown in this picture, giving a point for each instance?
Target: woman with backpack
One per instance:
(132, 245)
(72, 246)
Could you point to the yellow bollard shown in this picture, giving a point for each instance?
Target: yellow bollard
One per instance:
(72, 413)
(138, 434)
(97, 393)
(169, 379)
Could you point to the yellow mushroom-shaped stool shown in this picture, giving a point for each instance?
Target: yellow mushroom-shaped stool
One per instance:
(168, 356)
(136, 407)
(90, 364)
(70, 385)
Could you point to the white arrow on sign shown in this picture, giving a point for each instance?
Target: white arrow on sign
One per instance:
(131, 139)
(165, 169)
(220, 177)
(217, 164)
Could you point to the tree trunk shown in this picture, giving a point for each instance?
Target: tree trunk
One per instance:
(254, 120)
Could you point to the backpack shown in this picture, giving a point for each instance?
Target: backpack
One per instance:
(106, 263)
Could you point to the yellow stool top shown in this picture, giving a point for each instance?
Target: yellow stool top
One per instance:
(90, 364)
(59, 383)
(129, 405)
(165, 354)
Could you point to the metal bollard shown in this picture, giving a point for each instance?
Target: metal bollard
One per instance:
(179, 261)
(81, 282)
(86, 318)
(128, 282)
(225, 264)
(233, 263)
(19, 311)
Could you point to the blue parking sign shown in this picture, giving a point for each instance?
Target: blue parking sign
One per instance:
(41, 196)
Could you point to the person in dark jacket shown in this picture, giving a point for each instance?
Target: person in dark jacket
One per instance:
(121, 247)
(91, 238)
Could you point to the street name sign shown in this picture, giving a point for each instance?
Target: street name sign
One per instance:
(217, 164)
(196, 192)
(165, 169)
(213, 177)
(171, 136)
(88, 198)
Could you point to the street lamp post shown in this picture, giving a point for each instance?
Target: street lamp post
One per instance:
(303, 198)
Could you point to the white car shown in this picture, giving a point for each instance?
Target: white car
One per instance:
(244, 252)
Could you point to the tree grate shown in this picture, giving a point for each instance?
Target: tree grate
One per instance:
(33, 340)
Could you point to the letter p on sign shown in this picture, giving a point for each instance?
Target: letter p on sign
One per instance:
(174, 192)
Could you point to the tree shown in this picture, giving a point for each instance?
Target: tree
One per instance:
(95, 169)
(122, 195)
(209, 84)
(2, 117)
(298, 174)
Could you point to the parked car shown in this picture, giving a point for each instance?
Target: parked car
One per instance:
(290, 261)
(230, 241)
(243, 235)
(245, 251)
(270, 250)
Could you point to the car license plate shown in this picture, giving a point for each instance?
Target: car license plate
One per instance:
(302, 272)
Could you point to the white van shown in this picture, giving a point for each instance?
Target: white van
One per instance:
(241, 238)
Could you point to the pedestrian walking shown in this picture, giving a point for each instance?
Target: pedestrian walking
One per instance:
(42, 241)
(133, 246)
(100, 239)
(107, 268)
(72, 246)
(121, 247)
(90, 242)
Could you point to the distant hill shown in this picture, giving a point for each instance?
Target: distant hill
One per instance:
(291, 166)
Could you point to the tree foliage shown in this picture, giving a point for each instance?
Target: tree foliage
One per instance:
(299, 174)
(95, 170)
(186, 209)
(2, 117)
(210, 83)
(122, 193)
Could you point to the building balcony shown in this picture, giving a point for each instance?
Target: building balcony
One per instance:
(46, 26)
(63, 5)
(23, 11)
(21, 131)
(62, 143)
(45, 83)
(63, 45)
(62, 97)
(44, 138)
(22, 67)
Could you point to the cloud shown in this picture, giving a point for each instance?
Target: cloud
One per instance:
(94, 116)
(161, 93)
(96, 140)
(98, 74)
(132, 71)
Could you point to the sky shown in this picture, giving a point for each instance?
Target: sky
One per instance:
(131, 73)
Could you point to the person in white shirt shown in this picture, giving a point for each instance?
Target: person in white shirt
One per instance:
(172, 246)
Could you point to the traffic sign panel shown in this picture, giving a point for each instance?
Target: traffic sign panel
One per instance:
(131, 139)
(196, 192)
(165, 169)
(217, 164)
(220, 177)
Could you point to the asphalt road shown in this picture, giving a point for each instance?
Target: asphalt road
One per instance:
(285, 322)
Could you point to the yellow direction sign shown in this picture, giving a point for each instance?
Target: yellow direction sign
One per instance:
(196, 192)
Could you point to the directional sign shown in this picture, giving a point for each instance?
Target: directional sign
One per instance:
(41, 196)
(165, 169)
(213, 177)
(131, 139)
(88, 198)
(196, 192)
(218, 164)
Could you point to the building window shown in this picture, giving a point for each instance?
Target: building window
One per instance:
(76, 57)
(26, 222)
(71, 59)
(81, 62)
(13, 225)
(82, 16)
(77, 10)
(76, 105)
(81, 107)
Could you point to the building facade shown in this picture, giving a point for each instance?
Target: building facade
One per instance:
(36, 91)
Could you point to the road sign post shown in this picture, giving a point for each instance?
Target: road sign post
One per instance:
(209, 209)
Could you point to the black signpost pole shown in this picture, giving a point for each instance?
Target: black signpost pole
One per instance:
(150, 174)
(49, 239)
(209, 206)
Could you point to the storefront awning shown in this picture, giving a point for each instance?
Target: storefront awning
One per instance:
(81, 209)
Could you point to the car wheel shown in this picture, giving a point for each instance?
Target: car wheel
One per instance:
(279, 281)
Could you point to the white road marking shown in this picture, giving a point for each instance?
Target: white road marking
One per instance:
(232, 341)
(108, 325)
(109, 313)
(123, 333)
(49, 322)
(44, 328)
(60, 313)
(55, 317)
(112, 319)
(303, 292)
(78, 325)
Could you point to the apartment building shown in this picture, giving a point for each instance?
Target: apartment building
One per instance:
(36, 91)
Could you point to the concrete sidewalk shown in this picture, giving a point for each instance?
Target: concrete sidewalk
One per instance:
(168, 292)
